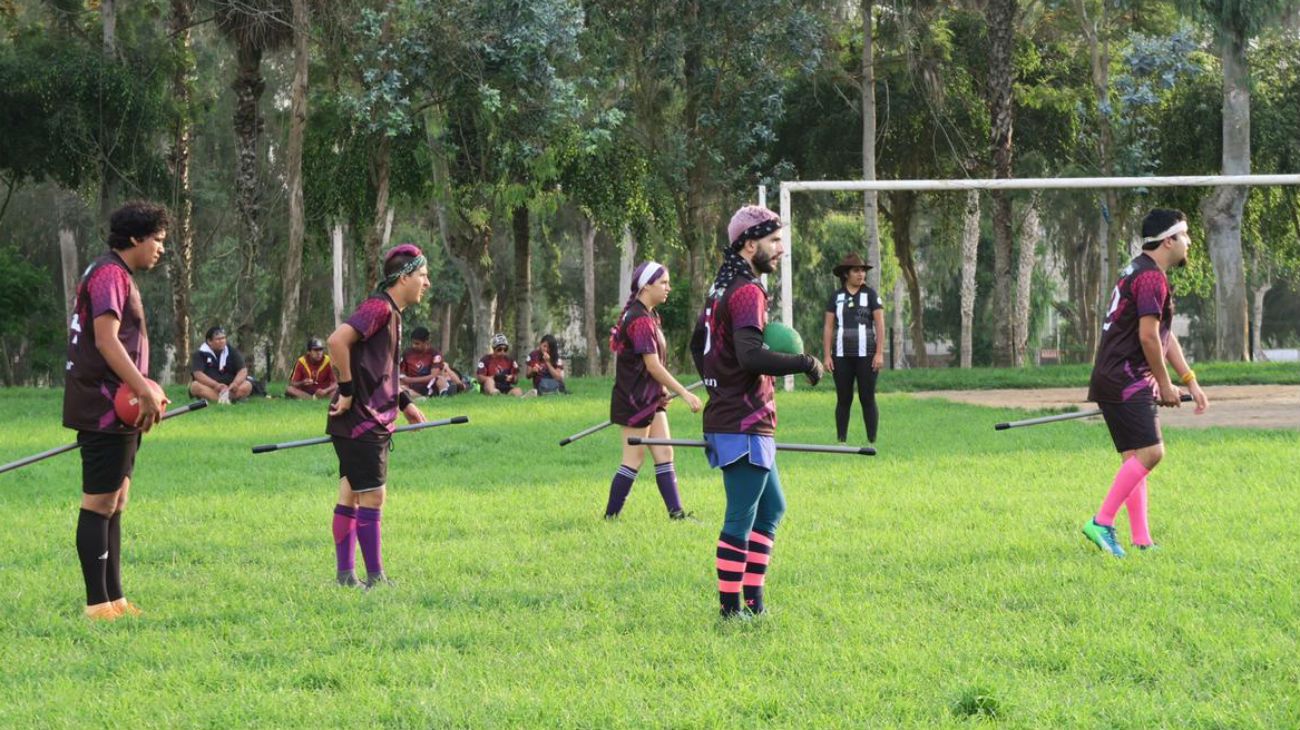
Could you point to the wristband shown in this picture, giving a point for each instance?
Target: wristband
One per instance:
(345, 388)
(1189, 376)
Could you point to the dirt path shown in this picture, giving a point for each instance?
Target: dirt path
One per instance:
(1256, 406)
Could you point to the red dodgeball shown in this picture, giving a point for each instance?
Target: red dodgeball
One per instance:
(127, 404)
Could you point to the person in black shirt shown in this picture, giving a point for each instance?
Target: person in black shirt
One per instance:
(219, 371)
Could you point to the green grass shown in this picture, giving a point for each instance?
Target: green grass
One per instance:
(1068, 376)
(940, 583)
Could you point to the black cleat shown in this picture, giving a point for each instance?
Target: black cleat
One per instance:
(348, 579)
(682, 514)
(377, 580)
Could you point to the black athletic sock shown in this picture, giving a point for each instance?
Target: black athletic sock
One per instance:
(113, 571)
(92, 550)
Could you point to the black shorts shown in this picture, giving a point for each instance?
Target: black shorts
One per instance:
(363, 461)
(106, 459)
(626, 419)
(1132, 425)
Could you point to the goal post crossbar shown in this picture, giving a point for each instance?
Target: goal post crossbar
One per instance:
(1025, 183)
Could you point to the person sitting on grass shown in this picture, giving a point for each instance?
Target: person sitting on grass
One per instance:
(497, 372)
(545, 368)
(313, 376)
(219, 371)
(415, 367)
(446, 381)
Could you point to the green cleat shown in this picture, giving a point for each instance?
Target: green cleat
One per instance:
(1103, 537)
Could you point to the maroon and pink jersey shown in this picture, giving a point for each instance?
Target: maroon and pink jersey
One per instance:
(536, 367)
(1120, 373)
(416, 364)
(374, 371)
(497, 366)
(89, 383)
(637, 395)
(739, 401)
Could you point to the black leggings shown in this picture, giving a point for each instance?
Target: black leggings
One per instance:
(847, 369)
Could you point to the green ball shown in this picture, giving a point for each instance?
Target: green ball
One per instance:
(782, 338)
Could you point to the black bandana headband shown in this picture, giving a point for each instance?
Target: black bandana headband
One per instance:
(754, 232)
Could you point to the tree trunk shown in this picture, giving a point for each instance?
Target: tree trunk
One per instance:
(1222, 207)
(970, 241)
(523, 289)
(896, 329)
(1000, 15)
(248, 87)
(902, 207)
(445, 344)
(870, 212)
(292, 284)
(375, 240)
(336, 248)
(1257, 321)
(180, 240)
(587, 230)
(110, 188)
(1031, 233)
(626, 264)
(71, 274)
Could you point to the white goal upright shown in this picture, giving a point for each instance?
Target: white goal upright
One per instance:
(1026, 183)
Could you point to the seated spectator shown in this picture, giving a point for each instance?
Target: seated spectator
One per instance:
(415, 368)
(497, 372)
(446, 381)
(219, 371)
(313, 377)
(545, 368)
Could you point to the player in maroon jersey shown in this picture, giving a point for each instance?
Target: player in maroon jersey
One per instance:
(1129, 377)
(740, 418)
(108, 349)
(364, 412)
(639, 399)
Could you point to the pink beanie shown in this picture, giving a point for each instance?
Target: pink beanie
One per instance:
(748, 217)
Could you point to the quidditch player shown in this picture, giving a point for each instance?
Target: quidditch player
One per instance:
(108, 349)
(740, 418)
(364, 411)
(1129, 377)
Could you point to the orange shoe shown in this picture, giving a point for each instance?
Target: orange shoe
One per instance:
(103, 612)
(126, 608)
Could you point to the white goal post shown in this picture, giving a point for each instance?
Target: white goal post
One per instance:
(1025, 183)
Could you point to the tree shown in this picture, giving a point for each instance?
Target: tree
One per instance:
(1001, 19)
(292, 281)
(1234, 23)
(255, 27)
(180, 259)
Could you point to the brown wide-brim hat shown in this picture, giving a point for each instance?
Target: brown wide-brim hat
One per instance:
(851, 261)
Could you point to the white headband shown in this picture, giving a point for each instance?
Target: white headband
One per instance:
(1174, 230)
(651, 269)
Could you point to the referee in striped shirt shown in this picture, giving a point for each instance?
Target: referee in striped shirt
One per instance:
(851, 337)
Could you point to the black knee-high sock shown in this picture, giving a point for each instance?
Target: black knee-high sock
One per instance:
(92, 550)
(113, 571)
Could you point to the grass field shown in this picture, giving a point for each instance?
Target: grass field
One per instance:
(942, 582)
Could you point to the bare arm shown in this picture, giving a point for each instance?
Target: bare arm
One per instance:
(878, 319)
(340, 346)
(1149, 337)
(828, 336)
(240, 377)
(1176, 358)
(655, 367)
(115, 355)
(202, 377)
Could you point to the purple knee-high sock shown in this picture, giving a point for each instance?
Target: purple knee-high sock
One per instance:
(666, 478)
(369, 539)
(345, 538)
(619, 488)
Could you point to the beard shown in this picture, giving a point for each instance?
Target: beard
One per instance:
(763, 262)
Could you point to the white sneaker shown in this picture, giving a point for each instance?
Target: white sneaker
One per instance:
(224, 398)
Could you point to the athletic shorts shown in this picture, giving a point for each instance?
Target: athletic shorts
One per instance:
(363, 461)
(1132, 425)
(646, 417)
(106, 459)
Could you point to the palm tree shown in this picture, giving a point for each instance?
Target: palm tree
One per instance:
(254, 27)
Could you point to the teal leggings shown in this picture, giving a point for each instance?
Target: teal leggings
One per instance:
(754, 499)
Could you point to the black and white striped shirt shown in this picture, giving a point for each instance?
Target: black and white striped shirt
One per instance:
(855, 335)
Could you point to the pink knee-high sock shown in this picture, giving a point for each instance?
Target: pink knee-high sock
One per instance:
(345, 537)
(1126, 480)
(1137, 514)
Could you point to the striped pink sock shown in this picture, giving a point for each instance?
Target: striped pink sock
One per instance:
(1127, 479)
(731, 571)
(760, 555)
